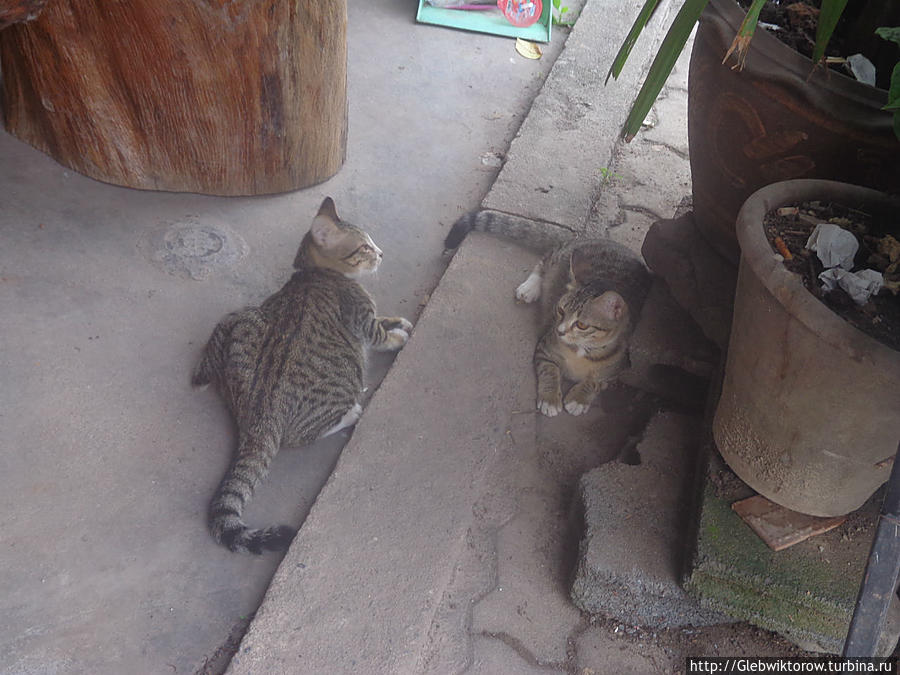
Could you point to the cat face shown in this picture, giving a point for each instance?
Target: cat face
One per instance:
(590, 322)
(340, 246)
(350, 251)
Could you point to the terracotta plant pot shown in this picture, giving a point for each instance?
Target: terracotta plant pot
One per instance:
(773, 121)
(809, 411)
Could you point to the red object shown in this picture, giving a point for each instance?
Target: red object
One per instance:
(521, 13)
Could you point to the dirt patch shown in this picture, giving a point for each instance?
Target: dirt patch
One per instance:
(796, 23)
(879, 249)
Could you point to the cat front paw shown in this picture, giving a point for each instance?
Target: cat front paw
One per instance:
(549, 408)
(576, 403)
(396, 338)
(392, 322)
(576, 407)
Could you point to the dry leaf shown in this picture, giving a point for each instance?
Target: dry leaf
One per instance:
(528, 49)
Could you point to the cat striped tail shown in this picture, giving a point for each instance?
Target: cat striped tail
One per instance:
(535, 234)
(235, 491)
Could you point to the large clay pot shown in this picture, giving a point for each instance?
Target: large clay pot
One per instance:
(775, 120)
(809, 410)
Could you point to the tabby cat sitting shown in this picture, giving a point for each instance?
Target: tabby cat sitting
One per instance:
(591, 291)
(291, 370)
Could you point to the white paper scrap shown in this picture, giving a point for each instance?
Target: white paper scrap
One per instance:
(834, 245)
(859, 285)
(862, 69)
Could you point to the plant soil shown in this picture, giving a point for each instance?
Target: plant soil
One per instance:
(796, 22)
(880, 316)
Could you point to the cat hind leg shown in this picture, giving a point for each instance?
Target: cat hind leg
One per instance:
(530, 289)
(348, 420)
(202, 375)
(214, 352)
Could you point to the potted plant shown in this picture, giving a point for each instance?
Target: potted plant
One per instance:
(775, 115)
(809, 408)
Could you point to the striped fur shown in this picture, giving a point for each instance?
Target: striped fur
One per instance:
(581, 281)
(291, 370)
(533, 234)
(591, 291)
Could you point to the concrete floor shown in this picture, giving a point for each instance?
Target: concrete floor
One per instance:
(109, 458)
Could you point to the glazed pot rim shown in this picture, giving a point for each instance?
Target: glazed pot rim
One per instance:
(786, 286)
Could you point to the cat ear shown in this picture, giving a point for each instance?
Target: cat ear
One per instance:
(610, 305)
(327, 209)
(579, 266)
(325, 230)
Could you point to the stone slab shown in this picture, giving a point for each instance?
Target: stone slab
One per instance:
(630, 556)
(555, 165)
(806, 592)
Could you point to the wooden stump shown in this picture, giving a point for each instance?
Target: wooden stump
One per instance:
(228, 97)
(17, 11)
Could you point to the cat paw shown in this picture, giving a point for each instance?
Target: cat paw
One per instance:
(549, 408)
(397, 337)
(574, 407)
(393, 322)
(530, 289)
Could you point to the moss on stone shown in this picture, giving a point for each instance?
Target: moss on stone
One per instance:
(799, 592)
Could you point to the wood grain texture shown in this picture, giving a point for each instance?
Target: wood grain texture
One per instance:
(228, 97)
(16, 11)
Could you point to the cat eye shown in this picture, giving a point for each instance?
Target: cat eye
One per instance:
(361, 249)
(581, 326)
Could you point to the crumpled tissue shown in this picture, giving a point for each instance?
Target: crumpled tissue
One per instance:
(836, 248)
(834, 245)
(859, 285)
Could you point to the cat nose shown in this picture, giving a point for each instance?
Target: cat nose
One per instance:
(561, 329)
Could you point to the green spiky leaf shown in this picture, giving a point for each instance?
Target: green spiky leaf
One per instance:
(748, 25)
(669, 51)
(639, 23)
(828, 17)
(740, 46)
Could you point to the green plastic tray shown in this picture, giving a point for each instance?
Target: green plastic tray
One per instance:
(488, 21)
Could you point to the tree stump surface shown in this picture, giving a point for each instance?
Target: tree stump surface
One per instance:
(227, 97)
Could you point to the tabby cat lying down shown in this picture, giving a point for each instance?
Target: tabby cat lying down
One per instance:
(291, 370)
(591, 291)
